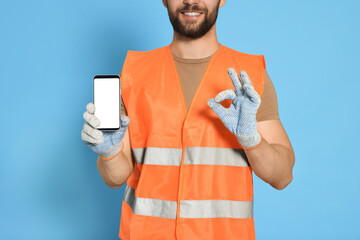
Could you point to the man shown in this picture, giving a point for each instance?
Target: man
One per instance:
(189, 166)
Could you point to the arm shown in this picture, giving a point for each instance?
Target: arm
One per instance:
(117, 170)
(274, 158)
(265, 143)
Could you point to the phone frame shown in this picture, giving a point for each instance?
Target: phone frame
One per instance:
(109, 76)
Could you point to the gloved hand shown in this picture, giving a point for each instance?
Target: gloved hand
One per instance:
(240, 117)
(104, 142)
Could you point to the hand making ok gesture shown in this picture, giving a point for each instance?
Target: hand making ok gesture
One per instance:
(240, 117)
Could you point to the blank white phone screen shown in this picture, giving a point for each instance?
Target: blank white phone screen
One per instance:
(107, 102)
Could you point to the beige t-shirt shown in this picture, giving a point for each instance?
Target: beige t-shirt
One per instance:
(190, 73)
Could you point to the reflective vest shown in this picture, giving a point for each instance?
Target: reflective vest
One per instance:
(191, 178)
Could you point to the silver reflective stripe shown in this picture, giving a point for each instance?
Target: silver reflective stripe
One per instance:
(193, 155)
(150, 206)
(216, 209)
(188, 208)
(216, 156)
(158, 156)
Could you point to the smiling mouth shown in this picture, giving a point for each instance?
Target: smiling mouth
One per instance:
(191, 15)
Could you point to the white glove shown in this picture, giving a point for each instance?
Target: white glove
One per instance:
(104, 142)
(240, 117)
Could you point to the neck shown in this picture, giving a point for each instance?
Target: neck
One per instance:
(195, 48)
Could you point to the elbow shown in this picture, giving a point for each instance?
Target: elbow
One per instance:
(283, 185)
(115, 186)
(107, 180)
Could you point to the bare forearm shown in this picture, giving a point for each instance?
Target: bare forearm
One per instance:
(116, 171)
(273, 163)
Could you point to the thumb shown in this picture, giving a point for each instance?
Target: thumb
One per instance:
(125, 120)
(216, 107)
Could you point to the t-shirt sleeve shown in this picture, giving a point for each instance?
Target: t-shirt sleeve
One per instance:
(268, 109)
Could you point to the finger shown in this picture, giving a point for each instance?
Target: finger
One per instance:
(86, 138)
(236, 81)
(249, 88)
(92, 132)
(217, 108)
(90, 107)
(252, 94)
(125, 120)
(226, 94)
(91, 119)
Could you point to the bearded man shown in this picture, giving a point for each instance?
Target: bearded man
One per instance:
(203, 118)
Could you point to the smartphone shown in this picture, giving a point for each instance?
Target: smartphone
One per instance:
(107, 95)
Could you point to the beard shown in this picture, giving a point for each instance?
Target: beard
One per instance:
(197, 29)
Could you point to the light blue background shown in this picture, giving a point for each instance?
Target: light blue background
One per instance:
(50, 51)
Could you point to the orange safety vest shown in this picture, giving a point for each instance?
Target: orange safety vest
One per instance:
(191, 178)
